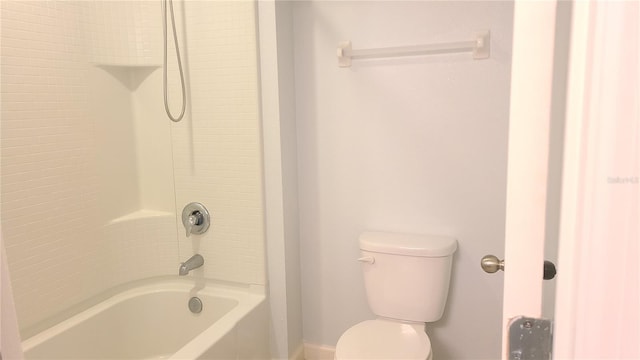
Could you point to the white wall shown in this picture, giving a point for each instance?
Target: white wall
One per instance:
(280, 177)
(413, 145)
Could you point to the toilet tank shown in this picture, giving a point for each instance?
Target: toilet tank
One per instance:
(407, 276)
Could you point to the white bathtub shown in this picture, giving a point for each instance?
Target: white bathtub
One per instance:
(153, 321)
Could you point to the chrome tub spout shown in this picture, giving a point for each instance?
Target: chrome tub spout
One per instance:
(194, 262)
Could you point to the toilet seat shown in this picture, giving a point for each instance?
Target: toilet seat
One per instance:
(383, 339)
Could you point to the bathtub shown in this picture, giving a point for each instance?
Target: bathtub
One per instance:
(153, 321)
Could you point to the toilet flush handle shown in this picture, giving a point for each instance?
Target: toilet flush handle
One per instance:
(367, 259)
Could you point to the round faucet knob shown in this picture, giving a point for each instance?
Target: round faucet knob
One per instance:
(195, 219)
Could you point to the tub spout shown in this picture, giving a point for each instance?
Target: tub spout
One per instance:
(194, 262)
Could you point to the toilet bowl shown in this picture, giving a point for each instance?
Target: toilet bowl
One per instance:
(383, 339)
(407, 282)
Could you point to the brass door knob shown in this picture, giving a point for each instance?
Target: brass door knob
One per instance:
(491, 264)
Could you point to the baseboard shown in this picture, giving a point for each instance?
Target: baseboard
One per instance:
(318, 352)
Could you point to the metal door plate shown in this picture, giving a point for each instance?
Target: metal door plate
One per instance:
(530, 338)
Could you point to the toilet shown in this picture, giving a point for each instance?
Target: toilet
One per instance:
(406, 277)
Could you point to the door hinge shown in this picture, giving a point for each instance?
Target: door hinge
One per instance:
(530, 338)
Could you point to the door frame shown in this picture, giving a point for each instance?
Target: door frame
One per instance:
(527, 165)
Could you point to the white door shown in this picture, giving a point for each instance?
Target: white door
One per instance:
(598, 300)
(598, 294)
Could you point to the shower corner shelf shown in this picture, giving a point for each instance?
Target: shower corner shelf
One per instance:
(125, 65)
(130, 75)
(141, 214)
(479, 47)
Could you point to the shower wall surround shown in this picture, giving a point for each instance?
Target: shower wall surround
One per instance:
(89, 197)
(218, 149)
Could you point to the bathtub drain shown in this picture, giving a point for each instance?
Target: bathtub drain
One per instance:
(195, 305)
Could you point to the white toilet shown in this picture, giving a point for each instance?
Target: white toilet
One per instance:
(407, 282)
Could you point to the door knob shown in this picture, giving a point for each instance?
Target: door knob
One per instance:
(491, 264)
(549, 270)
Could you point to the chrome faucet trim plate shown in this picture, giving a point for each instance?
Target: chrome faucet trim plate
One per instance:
(195, 218)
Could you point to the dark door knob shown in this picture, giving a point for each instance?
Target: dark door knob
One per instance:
(549, 270)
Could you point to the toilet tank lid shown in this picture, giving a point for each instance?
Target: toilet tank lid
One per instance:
(408, 244)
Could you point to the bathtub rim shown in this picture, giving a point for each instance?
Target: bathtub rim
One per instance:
(248, 297)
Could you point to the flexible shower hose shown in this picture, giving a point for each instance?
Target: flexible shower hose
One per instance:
(164, 74)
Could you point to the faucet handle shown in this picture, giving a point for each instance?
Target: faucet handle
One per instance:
(195, 219)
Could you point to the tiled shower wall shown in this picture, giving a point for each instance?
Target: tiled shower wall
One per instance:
(217, 149)
(88, 155)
